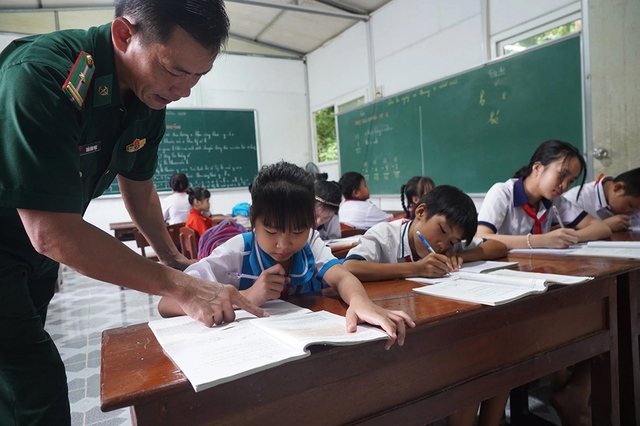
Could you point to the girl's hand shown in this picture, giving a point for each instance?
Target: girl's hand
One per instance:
(619, 222)
(559, 238)
(392, 322)
(434, 266)
(268, 286)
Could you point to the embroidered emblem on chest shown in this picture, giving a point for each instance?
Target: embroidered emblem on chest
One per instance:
(136, 145)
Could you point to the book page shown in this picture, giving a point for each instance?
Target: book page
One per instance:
(481, 266)
(614, 244)
(346, 241)
(622, 253)
(230, 353)
(476, 292)
(317, 328)
(549, 278)
(176, 329)
(512, 280)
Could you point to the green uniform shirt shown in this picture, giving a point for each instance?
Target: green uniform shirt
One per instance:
(54, 157)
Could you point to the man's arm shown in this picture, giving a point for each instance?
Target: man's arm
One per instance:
(67, 238)
(143, 204)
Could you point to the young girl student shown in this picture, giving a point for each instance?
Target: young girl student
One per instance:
(328, 197)
(520, 211)
(176, 207)
(283, 254)
(198, 218)
(412, 191)
(443, 217)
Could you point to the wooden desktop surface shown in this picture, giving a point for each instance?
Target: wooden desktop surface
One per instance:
(123, 231)
(458, 354)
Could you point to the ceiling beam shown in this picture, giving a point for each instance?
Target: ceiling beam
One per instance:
(302, 9)
(343, 7)
(269, 45)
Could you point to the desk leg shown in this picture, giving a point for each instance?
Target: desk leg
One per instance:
(628, 342)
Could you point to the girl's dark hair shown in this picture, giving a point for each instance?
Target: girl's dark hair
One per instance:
(328, 194)
(417, 186)
(283, 197)
(550, 151)
(349, 182)
(206, 21)
(631, 180)
(198, 193)
(179, 182)
(456, 206)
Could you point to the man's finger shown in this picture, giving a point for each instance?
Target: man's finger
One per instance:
(244, 303)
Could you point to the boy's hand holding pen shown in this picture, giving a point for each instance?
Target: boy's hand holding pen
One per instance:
(438, 264)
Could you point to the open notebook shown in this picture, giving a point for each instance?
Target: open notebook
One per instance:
(620, 249)
(496, 287)
(211, 356)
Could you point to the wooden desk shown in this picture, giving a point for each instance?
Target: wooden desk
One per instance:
(123, 231)
(458, 354)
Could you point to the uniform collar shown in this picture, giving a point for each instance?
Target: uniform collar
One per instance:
(601, 198)
(520, 197)
(405, 247)
(302, 263)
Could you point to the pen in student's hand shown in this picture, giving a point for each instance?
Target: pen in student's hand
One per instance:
(555, 211)
(241, 275)
(428, 246)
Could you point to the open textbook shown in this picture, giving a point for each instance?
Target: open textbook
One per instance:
(620, 249)
(211, 356)
(478, 267)
(496, 287)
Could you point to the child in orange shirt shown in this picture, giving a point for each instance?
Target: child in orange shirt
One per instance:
(198, 220)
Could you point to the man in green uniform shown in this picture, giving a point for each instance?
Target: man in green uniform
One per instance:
(79, 108)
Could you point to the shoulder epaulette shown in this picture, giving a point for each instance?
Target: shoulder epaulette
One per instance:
(78, 80)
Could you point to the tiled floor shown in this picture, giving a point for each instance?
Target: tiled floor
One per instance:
(84, 307)
(77, 315)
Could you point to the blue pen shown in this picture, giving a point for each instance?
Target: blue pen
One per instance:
(241, 275)
(425, 242)
(428, 246)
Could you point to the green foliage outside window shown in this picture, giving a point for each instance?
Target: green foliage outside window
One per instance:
(550, 35)
(326, 134)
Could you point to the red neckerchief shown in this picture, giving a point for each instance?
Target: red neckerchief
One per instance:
(537, 228)
(599, 178)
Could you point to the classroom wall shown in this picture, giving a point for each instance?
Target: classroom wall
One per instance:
(414, 42)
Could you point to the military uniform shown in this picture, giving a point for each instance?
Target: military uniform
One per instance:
(66, 133)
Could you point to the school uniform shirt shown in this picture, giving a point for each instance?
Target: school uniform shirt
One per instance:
(198, 221)
(361, 214)
(242, 254)
(593, 200)
(503, 213)
(176, 207)
(388, 242)
(330, 230)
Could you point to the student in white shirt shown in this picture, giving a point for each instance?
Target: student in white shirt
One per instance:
(175, 207)
(446, 217)
(614, 200)
(328, 197)
(356, 211)
(519, 212)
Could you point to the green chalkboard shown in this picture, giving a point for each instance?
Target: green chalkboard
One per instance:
(214, 148)
(470, 130)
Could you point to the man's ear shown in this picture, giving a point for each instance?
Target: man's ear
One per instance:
(121, 32)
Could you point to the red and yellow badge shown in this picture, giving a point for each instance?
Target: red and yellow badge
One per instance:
(136, 145)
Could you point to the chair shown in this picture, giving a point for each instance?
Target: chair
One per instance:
(189, 243)
(174, 232)
(142, 242)
(349, 231)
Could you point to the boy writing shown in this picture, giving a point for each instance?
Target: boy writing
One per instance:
(615, 200)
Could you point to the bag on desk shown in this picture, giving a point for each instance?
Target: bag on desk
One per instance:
(217, 235)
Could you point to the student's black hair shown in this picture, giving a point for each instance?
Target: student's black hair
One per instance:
(417, 186)
(328, 194)
(349, 182)
(550, 151)
(179, 182)
(456, 206)
(206, 21)
(198, 193)
(631, 180)
(283, 197)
